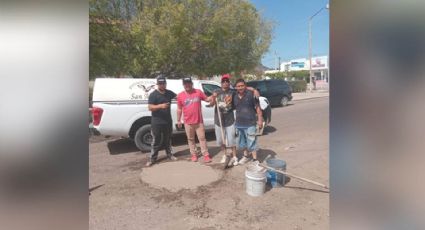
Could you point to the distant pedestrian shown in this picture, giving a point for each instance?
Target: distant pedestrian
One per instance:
(248, 117)
(189, 103)
(161, 124)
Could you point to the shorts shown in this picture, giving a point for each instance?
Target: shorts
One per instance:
(248, 138)
(229, 133)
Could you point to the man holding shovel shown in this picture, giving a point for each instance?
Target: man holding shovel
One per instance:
(224, 120)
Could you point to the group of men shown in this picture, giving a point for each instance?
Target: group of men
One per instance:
(248, 117)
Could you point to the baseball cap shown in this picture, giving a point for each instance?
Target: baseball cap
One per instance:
(187, 80)
(225, 77)
(161, 79)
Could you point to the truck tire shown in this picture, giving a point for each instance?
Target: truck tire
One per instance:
(143, 138)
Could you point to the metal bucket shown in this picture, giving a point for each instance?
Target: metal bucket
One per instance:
(276, 179)
(255, 180)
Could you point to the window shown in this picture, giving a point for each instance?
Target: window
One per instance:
(261, 86)
(252, 84)
(209, 89)
(275, 86)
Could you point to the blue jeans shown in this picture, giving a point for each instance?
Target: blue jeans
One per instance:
(248, 138)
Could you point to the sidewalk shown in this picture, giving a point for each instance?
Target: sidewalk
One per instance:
(309, 95)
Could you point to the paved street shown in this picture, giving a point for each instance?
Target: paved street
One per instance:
(298, 134)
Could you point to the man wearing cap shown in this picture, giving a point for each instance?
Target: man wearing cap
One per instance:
(189, 103)
(161, 123)
(224, 97)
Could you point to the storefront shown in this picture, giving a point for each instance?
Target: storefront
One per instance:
(319, 67)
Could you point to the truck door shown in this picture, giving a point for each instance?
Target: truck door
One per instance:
(208, 112)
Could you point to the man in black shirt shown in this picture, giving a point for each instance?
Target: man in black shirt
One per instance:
(248, 115)
(161, 123)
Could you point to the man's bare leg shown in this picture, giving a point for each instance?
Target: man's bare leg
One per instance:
(223, 149)
(234, 161)
(234, 151)
(245, 157)
(254, 155)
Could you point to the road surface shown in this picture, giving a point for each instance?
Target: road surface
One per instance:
(298, 134)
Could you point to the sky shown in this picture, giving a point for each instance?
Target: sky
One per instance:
(290, 35)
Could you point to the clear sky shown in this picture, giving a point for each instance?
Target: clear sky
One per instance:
(290, 36)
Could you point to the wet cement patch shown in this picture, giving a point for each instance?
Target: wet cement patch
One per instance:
(178, 175)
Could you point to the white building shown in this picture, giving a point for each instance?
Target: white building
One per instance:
(320, 68)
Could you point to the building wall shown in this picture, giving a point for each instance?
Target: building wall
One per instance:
(319, 63)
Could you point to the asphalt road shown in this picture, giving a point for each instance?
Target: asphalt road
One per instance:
(298, 134)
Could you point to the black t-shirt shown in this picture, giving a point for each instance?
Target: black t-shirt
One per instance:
(226, 110)
(161, 116)
(246, 114)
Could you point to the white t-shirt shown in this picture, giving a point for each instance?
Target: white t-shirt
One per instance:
(263, 103)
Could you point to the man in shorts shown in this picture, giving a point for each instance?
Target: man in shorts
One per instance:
(227, 125)
(248, 116)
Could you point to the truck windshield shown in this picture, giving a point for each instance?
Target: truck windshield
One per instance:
(209, 88)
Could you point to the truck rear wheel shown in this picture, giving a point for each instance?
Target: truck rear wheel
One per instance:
(143, 138)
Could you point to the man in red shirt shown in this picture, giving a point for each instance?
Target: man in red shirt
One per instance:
(189, 102)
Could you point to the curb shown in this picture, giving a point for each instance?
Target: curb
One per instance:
(308, 98)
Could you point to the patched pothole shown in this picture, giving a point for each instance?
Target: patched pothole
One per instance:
(178, 175)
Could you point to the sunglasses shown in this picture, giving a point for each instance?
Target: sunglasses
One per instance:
(225, 81)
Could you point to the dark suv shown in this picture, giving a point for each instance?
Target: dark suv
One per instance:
(278, 92)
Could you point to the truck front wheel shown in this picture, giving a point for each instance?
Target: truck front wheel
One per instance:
(143, 138)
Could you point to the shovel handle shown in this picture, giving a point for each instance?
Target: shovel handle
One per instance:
(221, 123)
(294, 176)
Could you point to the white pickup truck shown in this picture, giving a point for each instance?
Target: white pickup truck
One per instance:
(120, 107)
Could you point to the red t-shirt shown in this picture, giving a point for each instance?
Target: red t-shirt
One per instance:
(191, 105)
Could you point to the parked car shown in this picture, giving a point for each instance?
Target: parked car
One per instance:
(120, 107)
(278, 92)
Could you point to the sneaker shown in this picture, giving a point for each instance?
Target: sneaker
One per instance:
(172, 158)
(244, 160)
(194, 158)
(233, 161)
(149, 163)
(207, 158)
(223, 159)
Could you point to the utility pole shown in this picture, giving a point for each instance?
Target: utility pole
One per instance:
(309, 54)
(279, 64)
(275, 60)
(309, 45)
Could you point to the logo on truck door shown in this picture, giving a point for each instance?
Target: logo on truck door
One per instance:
(140, 90)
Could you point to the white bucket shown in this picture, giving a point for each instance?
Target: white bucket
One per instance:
(255, 180)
